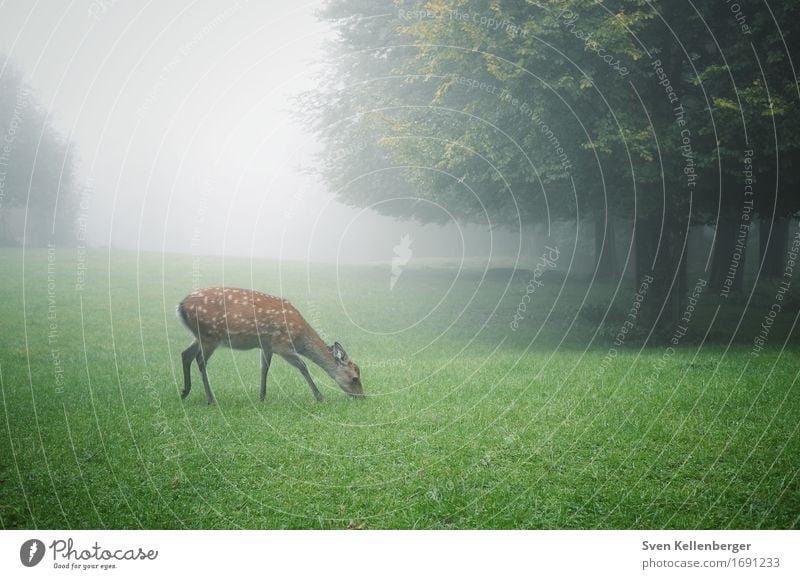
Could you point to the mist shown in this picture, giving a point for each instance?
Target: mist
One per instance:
(465, 264)
(184, 123)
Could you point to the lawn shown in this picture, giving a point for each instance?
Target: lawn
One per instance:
(467, 423)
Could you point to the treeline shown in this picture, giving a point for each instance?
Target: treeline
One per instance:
(37, 169)
(665, 115)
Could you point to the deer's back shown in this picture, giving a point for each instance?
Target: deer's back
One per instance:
(242, 318)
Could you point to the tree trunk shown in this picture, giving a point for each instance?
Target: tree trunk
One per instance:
(664, 272)
(605, 248)
(727, 268)
(645, 248)
(773, 246)
(681, 288)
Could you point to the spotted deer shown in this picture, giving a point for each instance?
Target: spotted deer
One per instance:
(245, 319)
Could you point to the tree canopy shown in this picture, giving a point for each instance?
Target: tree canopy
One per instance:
(663, 114)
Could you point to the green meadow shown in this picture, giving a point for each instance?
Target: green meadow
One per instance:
(467, 422)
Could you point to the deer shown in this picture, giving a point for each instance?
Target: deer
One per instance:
(245, 319)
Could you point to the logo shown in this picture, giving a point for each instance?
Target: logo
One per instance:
(402, 253)
(31, 552)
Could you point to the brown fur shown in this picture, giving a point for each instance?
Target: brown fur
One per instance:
(245, 319)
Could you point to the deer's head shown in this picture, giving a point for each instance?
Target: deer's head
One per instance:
(347, 374)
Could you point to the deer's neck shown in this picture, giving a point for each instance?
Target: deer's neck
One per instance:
(317, 351)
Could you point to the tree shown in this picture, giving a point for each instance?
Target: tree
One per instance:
(527, 113)
(753, 91)
(36, 166)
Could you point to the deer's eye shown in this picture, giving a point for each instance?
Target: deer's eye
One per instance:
(355, 380)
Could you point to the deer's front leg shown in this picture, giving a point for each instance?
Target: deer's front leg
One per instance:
(295, 361)
(203, 355)
(266, 360)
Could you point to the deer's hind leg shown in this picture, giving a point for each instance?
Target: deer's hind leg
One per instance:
(187, 356)
(204, 352)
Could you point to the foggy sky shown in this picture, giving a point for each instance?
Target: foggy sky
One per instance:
(180, 117)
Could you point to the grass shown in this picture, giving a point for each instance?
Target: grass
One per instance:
(467, 424)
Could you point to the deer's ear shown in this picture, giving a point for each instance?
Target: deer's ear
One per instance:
(339, 353)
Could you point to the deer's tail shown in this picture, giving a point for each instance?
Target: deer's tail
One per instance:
(180, 311)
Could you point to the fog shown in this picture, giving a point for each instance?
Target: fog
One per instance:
(183, 119)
